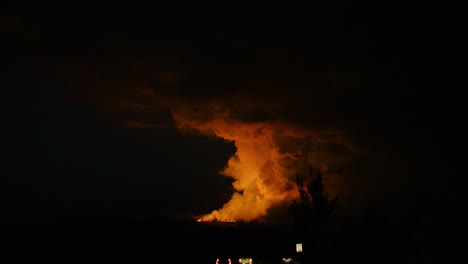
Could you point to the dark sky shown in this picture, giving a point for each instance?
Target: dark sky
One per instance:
(91, 92)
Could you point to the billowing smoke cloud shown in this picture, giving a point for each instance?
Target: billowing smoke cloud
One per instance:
(270, 153)
(278, 132)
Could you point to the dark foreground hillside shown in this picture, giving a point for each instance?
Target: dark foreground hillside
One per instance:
(145, 242)
(186, 241)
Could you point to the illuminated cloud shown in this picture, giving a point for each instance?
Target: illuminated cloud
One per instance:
(269, 155)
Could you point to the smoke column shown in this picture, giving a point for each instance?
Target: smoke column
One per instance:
(268, 156)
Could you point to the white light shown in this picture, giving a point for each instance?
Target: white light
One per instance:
(299, 247)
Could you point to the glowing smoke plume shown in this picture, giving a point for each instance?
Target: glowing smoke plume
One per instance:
(263, 167)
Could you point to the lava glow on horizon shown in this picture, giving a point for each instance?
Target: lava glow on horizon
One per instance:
(268, 157)
(206, 219)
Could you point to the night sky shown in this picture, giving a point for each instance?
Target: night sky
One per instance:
(115, 112)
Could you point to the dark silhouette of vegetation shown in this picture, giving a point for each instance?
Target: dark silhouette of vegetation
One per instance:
(310, 213)
(314, 205)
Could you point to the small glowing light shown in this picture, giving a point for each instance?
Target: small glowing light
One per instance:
(299, 247)
(245, 260)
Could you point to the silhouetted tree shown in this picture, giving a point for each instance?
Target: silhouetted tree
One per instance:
(314, 206)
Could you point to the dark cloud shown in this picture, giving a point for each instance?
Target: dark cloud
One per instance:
(86, 84)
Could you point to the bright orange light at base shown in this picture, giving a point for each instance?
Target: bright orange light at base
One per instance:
(216, 220)
(211, 218)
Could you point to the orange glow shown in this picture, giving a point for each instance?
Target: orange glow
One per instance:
(269, 155)
(259, 167)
